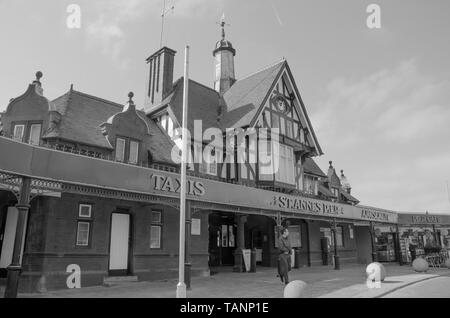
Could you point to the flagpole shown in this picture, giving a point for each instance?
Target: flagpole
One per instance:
(181, 287)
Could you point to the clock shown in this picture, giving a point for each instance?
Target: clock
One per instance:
(281, 104)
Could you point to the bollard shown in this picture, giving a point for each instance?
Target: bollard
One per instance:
(295, 289)
(297, 258)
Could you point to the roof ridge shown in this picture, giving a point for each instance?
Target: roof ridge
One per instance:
(95, 97)
(262, 69)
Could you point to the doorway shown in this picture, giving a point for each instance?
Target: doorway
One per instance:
(120, 244)
(222, 239)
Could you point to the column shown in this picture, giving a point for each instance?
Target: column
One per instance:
(12, 282)
(240, 238)
(337, 264)
(372, 238)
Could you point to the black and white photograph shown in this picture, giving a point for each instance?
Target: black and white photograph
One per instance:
(236, 150)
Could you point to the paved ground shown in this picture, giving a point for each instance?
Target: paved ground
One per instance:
(350, 281)
(438, 287)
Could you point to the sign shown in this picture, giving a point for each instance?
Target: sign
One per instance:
(247, 254)
(40, 162)
(195, 226)
(426, 219)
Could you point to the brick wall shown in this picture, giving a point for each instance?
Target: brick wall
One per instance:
(51, 242)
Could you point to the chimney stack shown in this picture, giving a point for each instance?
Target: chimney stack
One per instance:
(160, 79)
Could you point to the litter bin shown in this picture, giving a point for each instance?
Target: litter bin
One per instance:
(253, 261)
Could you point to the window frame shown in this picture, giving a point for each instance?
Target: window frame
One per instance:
(30, 132)
(82, 205)
(137, 151)
(23, 125)
(160, 225)
(123, 150)
(89, 230)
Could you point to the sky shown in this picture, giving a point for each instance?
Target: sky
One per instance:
(378, 99)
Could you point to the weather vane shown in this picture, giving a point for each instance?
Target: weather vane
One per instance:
(163, 15)
(223, 24)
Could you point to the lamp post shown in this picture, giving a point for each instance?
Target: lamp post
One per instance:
(337, 265)
(181, 287)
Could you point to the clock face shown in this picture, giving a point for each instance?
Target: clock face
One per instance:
(281, 104)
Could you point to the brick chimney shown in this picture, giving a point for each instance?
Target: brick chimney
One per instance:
(160, 79)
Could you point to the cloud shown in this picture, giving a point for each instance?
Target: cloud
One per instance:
(107, 31)
(389, 131)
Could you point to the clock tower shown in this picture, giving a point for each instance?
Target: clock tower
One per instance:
(224, 54)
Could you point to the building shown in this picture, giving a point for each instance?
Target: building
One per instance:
(99, 188)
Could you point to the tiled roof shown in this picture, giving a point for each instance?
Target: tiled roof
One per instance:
(349, 197)
(82, 115)
(245, 97)
(311, 167)
(237, 107)
(325, 191)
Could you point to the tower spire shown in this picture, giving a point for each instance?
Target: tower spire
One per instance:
(224, 61)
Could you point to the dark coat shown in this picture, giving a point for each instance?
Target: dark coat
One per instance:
(284, 258)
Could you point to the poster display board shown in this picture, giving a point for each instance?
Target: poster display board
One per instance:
(247, 258)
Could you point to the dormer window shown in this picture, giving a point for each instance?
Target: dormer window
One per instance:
(19, 131)
(120, 149)
(28, 132)
(127, 150)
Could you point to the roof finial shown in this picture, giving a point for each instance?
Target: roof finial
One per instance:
(130, 96)
(331, 164)
(223, 24)
(342, 172)
(39, 75)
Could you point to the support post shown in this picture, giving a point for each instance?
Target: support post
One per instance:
(238, 254)
(374, 248)
(187, 262)
(337, 265)
(12, 282)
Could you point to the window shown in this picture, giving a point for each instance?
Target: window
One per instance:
(289, 128)
(134, 152)
(335, 192)
(265, 159)
(120, 149)
(282, 126)
(267, 116)
(156, 230)
(170, 127)
(35, 134)
(164, 122)
(285, 172)
(19, 132)
(85, 211)
(295, 130)
(84, 224)
(83, 233)
(309, 185)
(275, 121)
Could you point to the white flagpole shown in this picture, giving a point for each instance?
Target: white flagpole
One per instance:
(181, 287)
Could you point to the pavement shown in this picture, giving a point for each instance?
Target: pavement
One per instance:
(325, 282)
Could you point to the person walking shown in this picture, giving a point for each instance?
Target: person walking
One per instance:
(284, 257)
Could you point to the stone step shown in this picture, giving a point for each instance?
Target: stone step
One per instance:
(117, 280)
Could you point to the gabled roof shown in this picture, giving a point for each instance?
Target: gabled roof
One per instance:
(245, 97)
(311, 167)
(237, 108)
